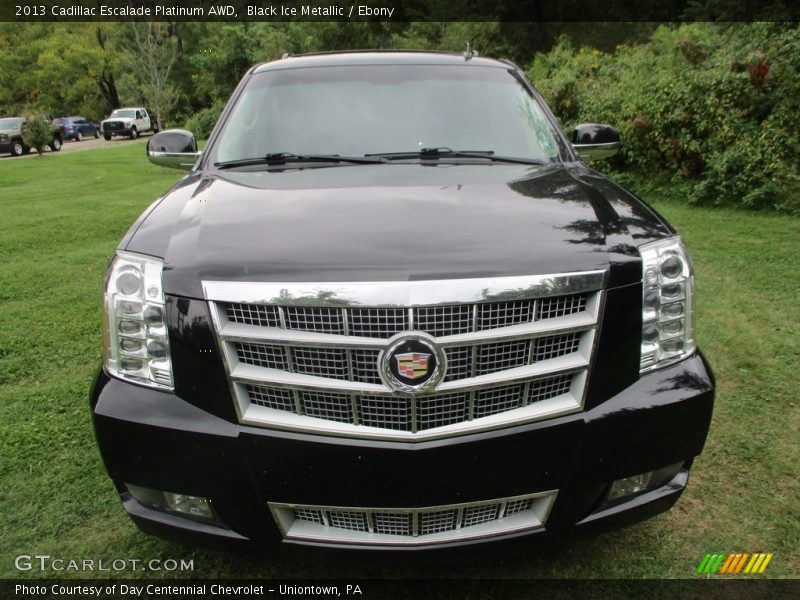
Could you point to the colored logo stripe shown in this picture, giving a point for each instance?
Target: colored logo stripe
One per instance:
(734, 563)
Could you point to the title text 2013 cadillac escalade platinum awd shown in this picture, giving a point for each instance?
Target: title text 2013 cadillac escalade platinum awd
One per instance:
(390, 307)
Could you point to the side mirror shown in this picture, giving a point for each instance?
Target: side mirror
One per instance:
(594, 141)
(174, 148)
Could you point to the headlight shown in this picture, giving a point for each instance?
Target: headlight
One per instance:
(667, 303)
(135, 328)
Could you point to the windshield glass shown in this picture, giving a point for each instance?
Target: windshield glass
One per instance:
(11, 123)
(358, 110)
(123, 114)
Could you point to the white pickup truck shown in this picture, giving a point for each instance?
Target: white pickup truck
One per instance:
(130, 122)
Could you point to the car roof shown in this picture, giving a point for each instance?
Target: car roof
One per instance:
(378, 57)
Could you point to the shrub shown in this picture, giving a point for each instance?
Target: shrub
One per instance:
(37, 133)
(202, 122)
(715, 105)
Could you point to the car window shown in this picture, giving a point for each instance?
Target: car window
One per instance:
(386, 108)
(10, 123)
(122, 114)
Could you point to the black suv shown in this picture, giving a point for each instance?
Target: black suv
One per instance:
(12, 132)
(391, 307)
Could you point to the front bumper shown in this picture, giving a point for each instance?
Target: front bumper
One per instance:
(157, 440)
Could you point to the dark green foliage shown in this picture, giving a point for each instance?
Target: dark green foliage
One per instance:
(202, 122)
(714, 105)
(37, 133)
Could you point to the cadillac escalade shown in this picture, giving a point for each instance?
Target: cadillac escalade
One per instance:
(392, 306)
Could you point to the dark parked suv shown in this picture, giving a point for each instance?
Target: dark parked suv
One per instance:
(391, 307)
(12, 137)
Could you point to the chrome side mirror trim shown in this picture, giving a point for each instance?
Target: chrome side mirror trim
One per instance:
(596, 151)
(184, 161)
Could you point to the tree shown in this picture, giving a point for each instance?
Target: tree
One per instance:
(153, 49)
(37, 133)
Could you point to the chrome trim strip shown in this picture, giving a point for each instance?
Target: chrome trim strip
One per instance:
(405, 293)
(562, 405)
(535, 517)
(239, 332)
(246, 373)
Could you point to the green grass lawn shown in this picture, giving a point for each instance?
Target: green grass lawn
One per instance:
(61, 217)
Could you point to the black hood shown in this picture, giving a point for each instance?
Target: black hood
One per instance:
(394, 222)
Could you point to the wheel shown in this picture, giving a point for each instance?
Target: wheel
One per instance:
(55, 144)
(134, 133)
(17, 149)
(96, 133)
(79, 137)
(107, 137)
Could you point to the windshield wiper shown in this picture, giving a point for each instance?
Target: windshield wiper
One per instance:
(445, 152)
(283, 158)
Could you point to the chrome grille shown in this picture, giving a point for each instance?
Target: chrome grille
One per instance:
(410, 414)
(391, 526)
(378, 322)
(363, 364)
(515, 352)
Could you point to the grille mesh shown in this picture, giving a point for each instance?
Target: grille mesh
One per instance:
(444, 320)
(392, 523)
(389, 412)
(413, 522)
(386, 322)
(262, 355)
(377, 322)
(323, 362)
(324, 405)
(271, 397)
(363, 366)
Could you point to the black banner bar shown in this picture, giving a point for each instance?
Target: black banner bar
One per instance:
(399, 10)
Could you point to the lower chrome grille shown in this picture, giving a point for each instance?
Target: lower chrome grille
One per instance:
(413, 526)
(310, 357)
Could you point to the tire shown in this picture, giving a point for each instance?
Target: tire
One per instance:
(134, 133)
(107, 137)
(55, 144)
(79, 137)
(17, 148)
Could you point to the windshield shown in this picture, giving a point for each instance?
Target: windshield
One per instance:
(358, 110)
(123, 114)
(11, 123)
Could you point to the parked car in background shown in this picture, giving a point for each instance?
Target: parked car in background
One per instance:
(76, 128)
(12, 130)
(129, 121)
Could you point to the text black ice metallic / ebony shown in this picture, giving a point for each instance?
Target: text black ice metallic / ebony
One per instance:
(390, 308)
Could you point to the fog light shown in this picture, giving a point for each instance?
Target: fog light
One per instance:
(193, 506)
(629, 485)
(190, 505)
